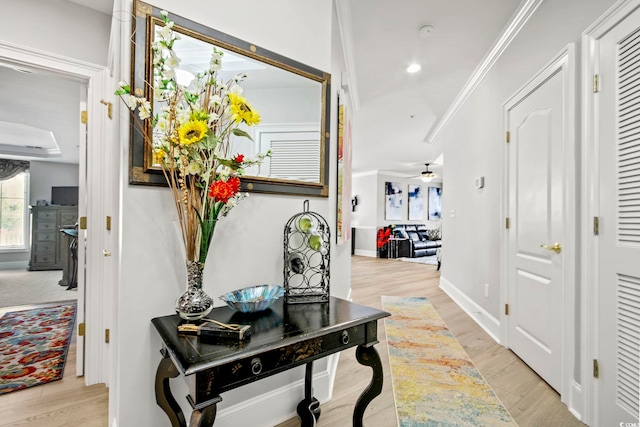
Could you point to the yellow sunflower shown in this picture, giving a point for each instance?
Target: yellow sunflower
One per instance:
(192, 131)
(241, 111)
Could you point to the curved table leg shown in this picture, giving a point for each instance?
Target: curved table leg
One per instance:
(204, 417)
(309, 408)
(368, 356)
(164, 398)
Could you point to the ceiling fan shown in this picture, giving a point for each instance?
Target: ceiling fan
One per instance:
(426, 175)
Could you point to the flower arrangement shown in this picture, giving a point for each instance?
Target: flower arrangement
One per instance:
(191, 133)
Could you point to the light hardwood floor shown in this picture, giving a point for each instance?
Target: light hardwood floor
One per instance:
(64, 403)
(529, 399)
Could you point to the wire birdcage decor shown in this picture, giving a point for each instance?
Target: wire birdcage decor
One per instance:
(306, 257)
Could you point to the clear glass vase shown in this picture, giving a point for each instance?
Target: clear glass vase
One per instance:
(194, 303)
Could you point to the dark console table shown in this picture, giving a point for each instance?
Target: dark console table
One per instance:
(283, 337)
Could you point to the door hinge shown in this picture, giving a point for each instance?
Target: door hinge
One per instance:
(109, 108)
(83, 223)
(506, 309)
(596, 226)
(596, 369)
(81, 329)
(108, 225)
(508, 137)
(596, 83)
(84, 117)
(507, 223)
(107, 334)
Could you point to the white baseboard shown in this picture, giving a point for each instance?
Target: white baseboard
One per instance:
(486, 321)
(277, 406)
(14, 265)
(363, 252)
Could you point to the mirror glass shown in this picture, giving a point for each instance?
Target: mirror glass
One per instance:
(291, 98)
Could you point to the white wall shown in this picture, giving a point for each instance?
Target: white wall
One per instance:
(474, 146)
(44, 175)
(247, 249)
(474, 141)
(56, 26)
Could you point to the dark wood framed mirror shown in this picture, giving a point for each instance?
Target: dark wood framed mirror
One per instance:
(292, 98)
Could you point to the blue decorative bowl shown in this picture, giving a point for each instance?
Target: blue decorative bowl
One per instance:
(253, 299)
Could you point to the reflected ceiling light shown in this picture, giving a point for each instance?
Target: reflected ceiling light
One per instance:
(413, 68)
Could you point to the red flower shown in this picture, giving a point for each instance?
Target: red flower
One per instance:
(222, 191)
(239, 158)
(383, 237)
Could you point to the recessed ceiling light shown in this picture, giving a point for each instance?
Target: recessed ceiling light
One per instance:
(413, 68)
(425, 31)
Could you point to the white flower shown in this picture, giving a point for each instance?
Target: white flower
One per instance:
(164, 13)
(237, 89)
(194, 168)
(144, 111)
(224, 172)
(173, 61)
(131, 101)
(165, 33)
(216, 99)
(182, 115)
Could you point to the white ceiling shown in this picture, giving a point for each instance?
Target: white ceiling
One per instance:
(395, 111)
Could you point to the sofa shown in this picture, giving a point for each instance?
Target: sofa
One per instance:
(417, 240)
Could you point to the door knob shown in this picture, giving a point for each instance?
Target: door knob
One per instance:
(555, 248)
(106, 252)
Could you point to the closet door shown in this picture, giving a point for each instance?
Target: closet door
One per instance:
(618, 279)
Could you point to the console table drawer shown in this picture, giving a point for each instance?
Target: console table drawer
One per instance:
(207, 385)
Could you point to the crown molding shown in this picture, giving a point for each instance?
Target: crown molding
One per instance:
(520, 18)
(346, 38)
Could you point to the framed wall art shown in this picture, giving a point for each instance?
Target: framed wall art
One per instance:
(435, 203)
(343, 214)
(416, 203)
(393, 201)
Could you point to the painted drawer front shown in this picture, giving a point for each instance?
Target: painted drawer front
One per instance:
(46, 247)
(46, 225)
(45, 237)
(45, 258)
(68, 218)
(47, 215)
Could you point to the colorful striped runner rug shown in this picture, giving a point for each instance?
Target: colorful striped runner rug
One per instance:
(434, 381)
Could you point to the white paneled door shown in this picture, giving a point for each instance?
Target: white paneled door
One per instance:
(618, 280)
(536, 120)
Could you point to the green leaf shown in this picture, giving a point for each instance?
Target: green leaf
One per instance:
(209, 142)
(240, 132)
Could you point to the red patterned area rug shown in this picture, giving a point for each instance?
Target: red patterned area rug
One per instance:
(34, 345)
(435, 383)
